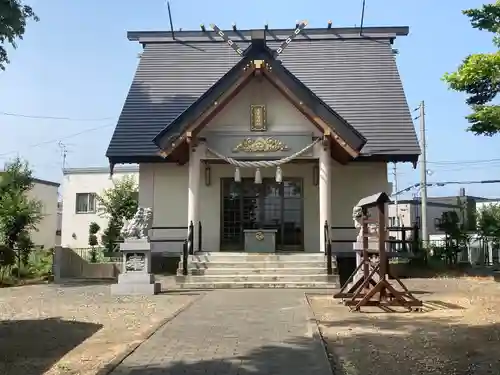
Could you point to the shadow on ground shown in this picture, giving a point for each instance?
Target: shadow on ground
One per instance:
(300, 356)
(31, 347)
(403, 344)
(421, 350)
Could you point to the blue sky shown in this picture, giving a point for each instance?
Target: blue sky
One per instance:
(77, 63)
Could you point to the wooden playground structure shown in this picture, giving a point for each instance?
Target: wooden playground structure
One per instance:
(369, 284)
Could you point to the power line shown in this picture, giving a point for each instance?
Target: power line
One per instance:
(54, 117)
(440, 184)
(61, 138)
(456, 168)
(479, 161)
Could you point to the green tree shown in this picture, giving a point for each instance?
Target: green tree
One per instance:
(488, 223)
(479, 74)
(456, 237)
(25, 245)
(7, 260)
(14, 16)
(93, 242)
(19, 214)
(117, 203)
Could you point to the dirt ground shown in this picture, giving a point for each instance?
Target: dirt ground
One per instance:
(74, 329)
(458, 331)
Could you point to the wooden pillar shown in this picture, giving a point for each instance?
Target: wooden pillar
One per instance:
(325, 191)
(382, 234)
(366, 244)
(194, 188)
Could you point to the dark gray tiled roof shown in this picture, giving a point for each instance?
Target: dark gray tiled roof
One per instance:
(357, 77)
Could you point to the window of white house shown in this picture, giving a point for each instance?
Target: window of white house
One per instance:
(392, 221)
(85, 203)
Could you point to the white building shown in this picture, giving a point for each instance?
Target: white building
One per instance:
(480, 204)
(410, 211)
(47, 193)
(79, 205)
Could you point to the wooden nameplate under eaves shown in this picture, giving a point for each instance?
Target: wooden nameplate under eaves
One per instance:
(373, 287)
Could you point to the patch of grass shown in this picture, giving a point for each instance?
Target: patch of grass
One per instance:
(38, 268)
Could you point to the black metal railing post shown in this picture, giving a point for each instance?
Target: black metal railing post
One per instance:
(185, 258)
(403, 239)
(328, 250)
(200, 232)
(191, 238)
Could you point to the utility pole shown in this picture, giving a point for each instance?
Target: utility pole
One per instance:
(423, 176)
(395, 173)
(64, 153)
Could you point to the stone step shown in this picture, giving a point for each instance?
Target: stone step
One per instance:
(254, 278)
(256, 271)
(261, 284)
(255, 257)
(261, 265)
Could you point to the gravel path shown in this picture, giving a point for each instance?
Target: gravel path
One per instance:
(75, 329)
(458, 332)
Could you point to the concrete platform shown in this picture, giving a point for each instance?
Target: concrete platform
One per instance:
(129, 289)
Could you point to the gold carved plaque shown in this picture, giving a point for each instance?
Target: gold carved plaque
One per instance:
(259, 236)
(261, 145)
(258, 118)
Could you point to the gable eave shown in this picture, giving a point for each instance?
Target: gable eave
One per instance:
(178, 126)
(346, 131)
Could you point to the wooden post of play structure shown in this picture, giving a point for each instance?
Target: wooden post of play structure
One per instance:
(366, 258)
(376, 274)
(382, 237)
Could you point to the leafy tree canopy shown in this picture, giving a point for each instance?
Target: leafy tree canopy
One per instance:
(479, 74)
(117, 203)
(120, 201)
(13, 18)
(19, 214)
(488, 222)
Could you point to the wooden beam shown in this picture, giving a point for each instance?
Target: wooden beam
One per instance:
(223, 100)
(309, 113)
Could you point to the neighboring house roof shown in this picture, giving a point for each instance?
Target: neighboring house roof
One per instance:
(417, 202)
(97, 170)
(355, 76)
(46, 182)
(40, 181)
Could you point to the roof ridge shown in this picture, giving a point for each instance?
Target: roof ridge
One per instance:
(385, 32)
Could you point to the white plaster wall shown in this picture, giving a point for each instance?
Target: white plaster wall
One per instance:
(45, 235)
(350, 183)
(164, 187)
(282, 116)
(75, 226)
